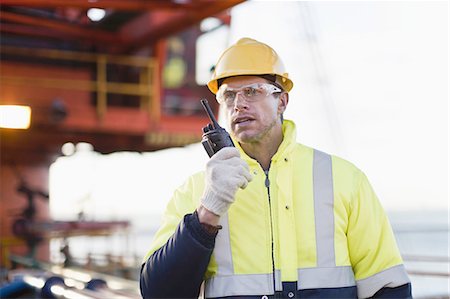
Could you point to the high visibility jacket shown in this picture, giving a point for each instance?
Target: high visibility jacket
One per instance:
(312, 222)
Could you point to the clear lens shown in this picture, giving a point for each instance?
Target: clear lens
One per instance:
(252, 92)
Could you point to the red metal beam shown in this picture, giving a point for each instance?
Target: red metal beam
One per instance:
(65, 29)
(130, 38)
(29, 31)
(132, 5)
(36, 32)
(174, 22)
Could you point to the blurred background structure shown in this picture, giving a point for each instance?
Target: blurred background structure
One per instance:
(109, 96)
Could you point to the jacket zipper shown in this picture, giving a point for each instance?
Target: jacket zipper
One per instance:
(267, 183)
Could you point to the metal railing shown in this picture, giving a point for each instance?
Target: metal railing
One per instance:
(147, 87)
(423, 258)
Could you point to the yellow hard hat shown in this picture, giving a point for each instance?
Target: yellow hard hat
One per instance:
(249, 57)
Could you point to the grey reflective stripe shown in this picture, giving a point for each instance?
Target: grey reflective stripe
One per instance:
(324, 209)
(233, 285)
(278, 283)
(391, 277)
(225, 282)
(222, 250)
(261, 284)
(332, 277)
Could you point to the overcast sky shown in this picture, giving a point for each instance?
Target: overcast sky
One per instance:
(371, 85)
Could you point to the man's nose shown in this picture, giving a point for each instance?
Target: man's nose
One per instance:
(240, 102)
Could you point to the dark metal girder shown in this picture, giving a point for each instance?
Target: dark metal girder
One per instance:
(66, 30)
(177, 21)
(134, 5)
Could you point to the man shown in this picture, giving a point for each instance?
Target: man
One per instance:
(271, 216)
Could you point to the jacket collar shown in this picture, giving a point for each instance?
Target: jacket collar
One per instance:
(289, 139)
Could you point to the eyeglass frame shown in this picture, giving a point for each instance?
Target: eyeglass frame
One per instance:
(268, 87)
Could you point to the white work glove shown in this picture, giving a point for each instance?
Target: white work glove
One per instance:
(225, 173)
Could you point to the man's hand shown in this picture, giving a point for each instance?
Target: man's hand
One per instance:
(225, 173)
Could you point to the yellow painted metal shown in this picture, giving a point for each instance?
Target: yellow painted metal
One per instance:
(154, 97)
(5, 244)
(110, 87)
(139, 61)
(101, 87)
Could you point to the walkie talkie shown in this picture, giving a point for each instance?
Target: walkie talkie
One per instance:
(214, 136)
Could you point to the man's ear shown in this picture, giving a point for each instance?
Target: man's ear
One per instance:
(283, 101)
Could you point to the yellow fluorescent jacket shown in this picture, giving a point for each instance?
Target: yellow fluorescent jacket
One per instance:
(318, 223)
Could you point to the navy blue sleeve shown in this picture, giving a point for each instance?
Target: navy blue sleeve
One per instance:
(176, 270)
(401, 292)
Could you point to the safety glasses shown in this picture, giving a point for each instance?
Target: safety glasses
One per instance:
(251, 93)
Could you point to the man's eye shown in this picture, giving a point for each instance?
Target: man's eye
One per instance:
(250, 92)
(229, 95)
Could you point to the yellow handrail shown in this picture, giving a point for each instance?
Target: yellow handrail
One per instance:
(147, 87)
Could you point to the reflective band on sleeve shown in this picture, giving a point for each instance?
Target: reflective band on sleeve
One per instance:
(333, 277)
(324, 209)
(392, 277)
(251, 284)
(222, 250)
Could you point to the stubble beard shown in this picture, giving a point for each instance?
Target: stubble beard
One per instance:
(259, 137)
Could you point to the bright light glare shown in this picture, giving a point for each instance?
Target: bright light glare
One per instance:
(67, 293)
(15, 116)
(77, 275)
(68, 149)
(35, 282)
(96, 14)
(72, 283)
(57, 290)
(74, 295)
(209, 24)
